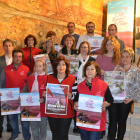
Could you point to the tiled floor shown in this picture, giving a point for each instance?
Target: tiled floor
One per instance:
(6, 135)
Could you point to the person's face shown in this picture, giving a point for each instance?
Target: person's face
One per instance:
(30, 42)
(39, 67)
(17, 59)
(90, 28)
(91, 71)
(84, 49)
(112, 31)
(68, 42)
(71, 28)
(8, 47)
(61, 67)
(109, 46)
(126, 59)
(49, 44)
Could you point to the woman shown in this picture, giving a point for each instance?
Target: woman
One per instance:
(69, 46)
(52, 35)
(29, 51)
(120, 110)
(60, 124)
(92, 85)
(49, 49)
(110, 55)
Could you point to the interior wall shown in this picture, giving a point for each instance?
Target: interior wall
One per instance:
(18, 18)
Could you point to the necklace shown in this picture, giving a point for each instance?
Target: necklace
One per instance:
(127, 69)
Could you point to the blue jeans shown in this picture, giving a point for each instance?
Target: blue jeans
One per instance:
(90, 135)
(13, 119)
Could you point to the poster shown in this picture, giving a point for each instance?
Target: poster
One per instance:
(57, 48)
(89, 111)
(56, 99)
(121, 13)
(115, 81)
(9, 101)
(74, 62)
(95, 43)
(30, 107)
(48, 62)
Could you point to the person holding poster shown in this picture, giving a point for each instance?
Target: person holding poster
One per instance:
(49, 49)
(69, 46)
(90, 27)
(60, 124)
(120, 109)
(30, 50)
(112, 31)
(37, 83)
(13, 76)
(92, 85)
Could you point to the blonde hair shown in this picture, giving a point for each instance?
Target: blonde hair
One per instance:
(116, 56)
(44, 64)
(45, 47)
(130, 51)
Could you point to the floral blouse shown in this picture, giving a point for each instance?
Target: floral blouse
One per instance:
(132, 83)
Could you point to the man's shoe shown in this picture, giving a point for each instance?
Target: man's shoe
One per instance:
(0, 133)
(9, 130)
(12, 138)
(76, 130)
(103, 133)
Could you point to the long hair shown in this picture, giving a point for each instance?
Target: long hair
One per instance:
(116, 56)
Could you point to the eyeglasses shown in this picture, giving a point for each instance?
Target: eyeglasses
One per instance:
(83, 47)
(90, 26)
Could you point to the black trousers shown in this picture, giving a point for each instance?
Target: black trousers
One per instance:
(59, 127)
(118, 116)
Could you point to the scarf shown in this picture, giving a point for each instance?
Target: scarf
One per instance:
(80, 71)
(35, 87)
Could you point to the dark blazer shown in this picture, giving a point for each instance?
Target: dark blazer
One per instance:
(2, 63)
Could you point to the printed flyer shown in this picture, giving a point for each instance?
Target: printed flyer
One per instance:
(95, 43)
(57, 48)
(74, 62)
(48, 62)
(30, 107)
(89, 111)
(115, 81)
(9, 101)
(56, 99)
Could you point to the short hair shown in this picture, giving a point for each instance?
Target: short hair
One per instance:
(52, 48)
(17, 51)
(89, 47)
(8, 40)
(73, 39)
(70, 23)
(90, 23)
(50, 34)
(97, 67)
(113, 25)
(116, 56)
(130, 51)
(57, 61)
(30, 36)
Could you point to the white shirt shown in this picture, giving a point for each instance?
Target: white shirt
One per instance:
(85, 38)
(8, 60)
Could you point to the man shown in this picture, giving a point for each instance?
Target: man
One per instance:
(5, 60)
(112, 31)
(13, 76)
(71, 28)
(90, 27)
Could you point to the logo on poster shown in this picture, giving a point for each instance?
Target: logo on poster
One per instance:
(9, 94)
(89, 103)
(29, 99)
(95, 42)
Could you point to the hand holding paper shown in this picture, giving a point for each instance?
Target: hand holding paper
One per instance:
(69, 95)
(0, 94)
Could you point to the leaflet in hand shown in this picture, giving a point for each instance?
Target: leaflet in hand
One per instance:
(115, 81)
(48, 62)
(57, 48)
(30, 107)
(9, 101)
(89, 111)
(56, 99)
(74, 62)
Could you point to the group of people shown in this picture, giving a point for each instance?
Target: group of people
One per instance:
(18, 69)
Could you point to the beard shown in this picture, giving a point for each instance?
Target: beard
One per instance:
(90, 31)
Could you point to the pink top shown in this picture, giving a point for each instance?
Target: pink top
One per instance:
(105, 63)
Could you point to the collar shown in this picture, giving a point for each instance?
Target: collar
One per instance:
(72, 33)
(94, 81)
(14, 65)
(8, 58)
(55, 75)
(90, 36)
